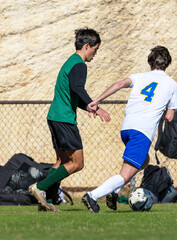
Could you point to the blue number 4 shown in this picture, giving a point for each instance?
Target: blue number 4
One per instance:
(149, 91)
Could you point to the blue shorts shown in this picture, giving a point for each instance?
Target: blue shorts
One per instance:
(137, 147)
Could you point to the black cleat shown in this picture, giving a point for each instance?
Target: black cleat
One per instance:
(41, 208)
(111, 200)
(91, 204)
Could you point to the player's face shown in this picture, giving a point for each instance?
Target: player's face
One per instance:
(91, 52)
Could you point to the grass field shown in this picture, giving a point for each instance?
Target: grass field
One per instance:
(75, 223)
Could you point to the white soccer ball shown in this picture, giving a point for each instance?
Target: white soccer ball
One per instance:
(140, 200)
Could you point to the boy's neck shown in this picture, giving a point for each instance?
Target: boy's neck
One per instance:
(81, 54)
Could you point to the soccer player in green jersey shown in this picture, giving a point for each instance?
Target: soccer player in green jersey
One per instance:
(69, 94)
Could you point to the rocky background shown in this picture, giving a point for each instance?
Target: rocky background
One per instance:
(37, 36)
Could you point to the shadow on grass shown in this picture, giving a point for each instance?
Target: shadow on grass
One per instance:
(74, 210)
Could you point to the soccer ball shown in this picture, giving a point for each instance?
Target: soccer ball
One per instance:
(140, 200)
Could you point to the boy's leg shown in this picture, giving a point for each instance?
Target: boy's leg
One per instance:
(51, 196)
(75, 163)
(51, 192)
(146, 162)
(115, 182)
(111, 184)
(112, 198)
(127, 172)
(136, 153)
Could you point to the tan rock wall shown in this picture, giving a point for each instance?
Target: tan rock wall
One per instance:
(37, 37)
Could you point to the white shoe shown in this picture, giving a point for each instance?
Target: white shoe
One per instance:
(53, 208)
(39, 195)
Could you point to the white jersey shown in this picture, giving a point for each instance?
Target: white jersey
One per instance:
(152, 93)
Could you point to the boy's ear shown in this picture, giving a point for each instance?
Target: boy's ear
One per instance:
(87, 45)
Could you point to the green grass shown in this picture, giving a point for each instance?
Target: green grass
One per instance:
(75, 223)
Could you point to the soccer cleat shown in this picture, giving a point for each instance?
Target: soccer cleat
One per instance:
(91, 204)
(50, 205)
(53, 208)
(111, 200)
(39, 195)
(41, 208)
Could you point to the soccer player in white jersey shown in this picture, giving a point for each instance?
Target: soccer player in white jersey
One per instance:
(154, 95)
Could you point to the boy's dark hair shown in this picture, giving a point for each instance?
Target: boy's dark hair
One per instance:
(86, 35)
(159, 58)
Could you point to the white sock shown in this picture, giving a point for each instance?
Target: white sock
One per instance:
(107, 187)
(117, 190)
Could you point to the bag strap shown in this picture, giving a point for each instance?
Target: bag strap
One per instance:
(159, 134)
(157, 145)
(68, 196)
(157, 159)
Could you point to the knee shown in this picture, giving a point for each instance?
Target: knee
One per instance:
(126, 178)
(57, 164)
(78, 166)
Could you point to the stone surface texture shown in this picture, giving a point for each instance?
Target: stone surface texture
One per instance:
(36, 37)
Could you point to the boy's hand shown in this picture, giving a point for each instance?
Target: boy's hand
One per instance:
(92, 107)
(103, 115)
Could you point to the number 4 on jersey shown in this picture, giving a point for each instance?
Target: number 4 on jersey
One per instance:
(149, 91)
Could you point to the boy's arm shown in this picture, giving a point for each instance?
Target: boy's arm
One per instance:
(82, 105)
(111, 90)
(77, 79)
(169, 114)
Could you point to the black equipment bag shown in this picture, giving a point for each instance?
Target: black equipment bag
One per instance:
(167, 138)
(157, 180)
(18, 174)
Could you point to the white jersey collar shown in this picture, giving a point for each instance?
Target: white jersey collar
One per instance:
(159, 71)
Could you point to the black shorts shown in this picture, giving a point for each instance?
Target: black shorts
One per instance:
(65, 136)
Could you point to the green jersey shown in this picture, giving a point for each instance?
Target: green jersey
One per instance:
(65, 102)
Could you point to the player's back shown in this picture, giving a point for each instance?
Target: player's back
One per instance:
(151, 93)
